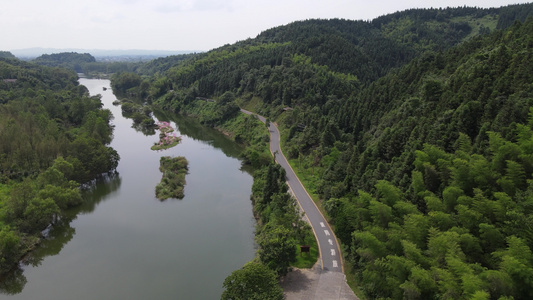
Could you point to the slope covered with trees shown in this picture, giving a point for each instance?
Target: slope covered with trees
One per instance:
(292, 54)
(414, 130)
(414, 169)
(53, 138)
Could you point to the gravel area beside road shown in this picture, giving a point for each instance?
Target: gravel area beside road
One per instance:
(316, 284)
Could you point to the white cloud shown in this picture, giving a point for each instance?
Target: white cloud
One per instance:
(166, 6)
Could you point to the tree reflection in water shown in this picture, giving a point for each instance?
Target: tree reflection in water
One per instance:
(60, 233)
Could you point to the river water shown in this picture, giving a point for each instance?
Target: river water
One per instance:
(123, 243)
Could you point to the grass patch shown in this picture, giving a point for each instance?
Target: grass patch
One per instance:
(309, 180)
(165, 146)
(254, 104)
(488, 21)
(246, 129)
(307, 260)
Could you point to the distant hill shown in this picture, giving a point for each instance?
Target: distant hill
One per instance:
(31, 53)
(6, 54)
(69, 60)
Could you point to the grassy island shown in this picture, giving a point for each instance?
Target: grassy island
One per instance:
(167, 137)
(173, 181)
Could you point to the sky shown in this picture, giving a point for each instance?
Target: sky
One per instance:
(198, 25)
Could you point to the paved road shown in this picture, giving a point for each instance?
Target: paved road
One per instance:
(330, 259)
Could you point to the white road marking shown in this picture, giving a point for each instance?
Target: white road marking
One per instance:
(330, 242)
(326, 232)
(322, 224)
(335, 264)
(332, 252)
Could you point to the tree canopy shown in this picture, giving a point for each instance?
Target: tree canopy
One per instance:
(253, 281)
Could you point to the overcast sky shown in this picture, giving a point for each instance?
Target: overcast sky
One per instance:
(177, 24)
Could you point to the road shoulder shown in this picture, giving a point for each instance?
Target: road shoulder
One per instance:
(316, 284)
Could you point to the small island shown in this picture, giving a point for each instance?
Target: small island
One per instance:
(167, 137)
(173, 181)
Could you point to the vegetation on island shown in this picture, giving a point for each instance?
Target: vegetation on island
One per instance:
(167, 137)
(53, 139)
(173, 181)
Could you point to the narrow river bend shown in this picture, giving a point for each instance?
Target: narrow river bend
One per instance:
(123, 243)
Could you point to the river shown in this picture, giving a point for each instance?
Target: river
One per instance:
(123, 243)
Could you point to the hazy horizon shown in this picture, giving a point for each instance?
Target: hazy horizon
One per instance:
(38, 51)
(176, 25)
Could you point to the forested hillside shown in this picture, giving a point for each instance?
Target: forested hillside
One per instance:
(53, 138)
(7, 54)
(291, 54)
(68, 60)
(87, 64)
(414, 129)
(425, 172)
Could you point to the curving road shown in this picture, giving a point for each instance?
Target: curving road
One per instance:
(330, 258)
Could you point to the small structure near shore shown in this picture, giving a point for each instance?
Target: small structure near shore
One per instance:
(305, 249)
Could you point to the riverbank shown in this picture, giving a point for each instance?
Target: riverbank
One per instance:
(122, 243)
(45, 162)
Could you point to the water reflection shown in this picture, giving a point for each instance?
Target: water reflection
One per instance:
(58, 235)
(194, 129)
(96, 193)
(13, 282)
(146, 130)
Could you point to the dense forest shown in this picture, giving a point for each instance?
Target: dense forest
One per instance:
(87, 64)
(53, 139)
(414, 130)
(68, 60)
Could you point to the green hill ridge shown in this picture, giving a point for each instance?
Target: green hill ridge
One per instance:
(414, 130)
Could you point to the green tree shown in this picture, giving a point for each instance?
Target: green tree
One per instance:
(39, 213)
(517, 262)
(277, 248)
(254, 281)
(64, 197)
(9, 247)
